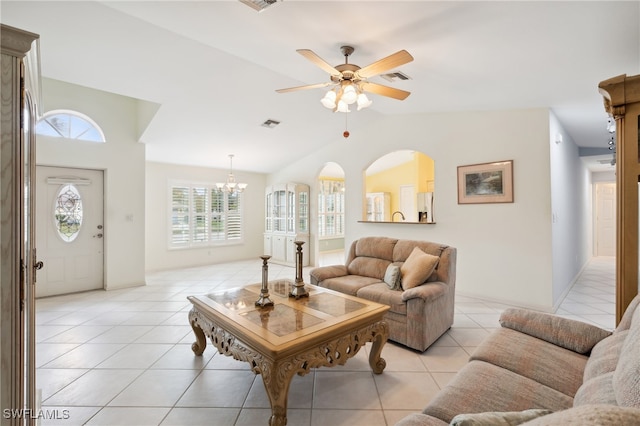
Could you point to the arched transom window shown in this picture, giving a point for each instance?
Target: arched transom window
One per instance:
(70, 125)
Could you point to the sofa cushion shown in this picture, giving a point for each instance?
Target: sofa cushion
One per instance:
(380, 293)
(516, 393)
(571, 334)
(349, 284)
(609, 415)
(392, 277)
(369, 267)
(551, 365)
(626, 379)
(598, 390)
(403, 249)
(378, 247)
(417, 268)
(498, 418)
(605, 355)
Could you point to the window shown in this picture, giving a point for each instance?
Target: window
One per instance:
(68, 212)
(201, 215)
(331, 209)
(70, 125)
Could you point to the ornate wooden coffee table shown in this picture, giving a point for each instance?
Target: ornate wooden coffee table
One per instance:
(290, 337)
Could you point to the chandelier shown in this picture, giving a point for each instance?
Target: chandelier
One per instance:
(231, 186)
(339, 98)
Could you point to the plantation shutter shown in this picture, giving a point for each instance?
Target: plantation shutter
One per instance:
(217, 215)
(200, 222)
(234, 217)
(202, 215)
(180, 216)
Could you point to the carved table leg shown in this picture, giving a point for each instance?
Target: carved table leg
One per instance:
(201, 340)
(277, 380)
(375, 361)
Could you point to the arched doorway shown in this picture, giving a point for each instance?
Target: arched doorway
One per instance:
(330, 215)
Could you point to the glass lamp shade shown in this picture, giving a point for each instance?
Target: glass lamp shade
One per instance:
(231, 185)
(342, 106)
(349, 94)
(363, 101)
(329, 99)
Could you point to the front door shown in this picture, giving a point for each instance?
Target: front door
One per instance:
(70, 231)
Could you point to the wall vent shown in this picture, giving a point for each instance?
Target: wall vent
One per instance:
(270, 123)
(258, 5)
(395, 76)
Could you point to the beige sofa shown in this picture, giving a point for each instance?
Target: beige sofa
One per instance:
(418, 315)
(548, 369)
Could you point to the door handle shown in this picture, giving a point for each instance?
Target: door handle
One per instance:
(38, 265)
(97, 236)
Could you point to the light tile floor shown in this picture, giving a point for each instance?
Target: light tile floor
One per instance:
(123, 357)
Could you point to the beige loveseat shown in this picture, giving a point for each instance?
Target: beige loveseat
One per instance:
(418, 315)
(554, 370)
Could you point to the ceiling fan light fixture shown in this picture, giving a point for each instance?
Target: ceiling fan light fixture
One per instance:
(329, 99)
(363, 101)
(342, 106)
(350, 80)
(349, 95)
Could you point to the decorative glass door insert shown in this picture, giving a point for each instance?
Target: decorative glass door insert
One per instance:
(68, 212)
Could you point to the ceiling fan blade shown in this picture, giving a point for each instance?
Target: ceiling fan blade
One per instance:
(379, 89)
(308, 86)
(395, 60)
(310, 55)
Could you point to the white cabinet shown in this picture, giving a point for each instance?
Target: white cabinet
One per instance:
(378, 207)
(286, 221)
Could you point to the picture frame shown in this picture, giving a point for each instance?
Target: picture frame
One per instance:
(486, 183)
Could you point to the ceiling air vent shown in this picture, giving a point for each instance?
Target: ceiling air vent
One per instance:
(258, 5)
(395, 76)
(270, 123)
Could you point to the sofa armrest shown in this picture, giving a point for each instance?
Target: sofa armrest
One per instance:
(322, 273)
(419, 419)
(427, 292)
(570, 334)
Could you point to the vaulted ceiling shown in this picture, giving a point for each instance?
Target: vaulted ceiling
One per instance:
(213, 67)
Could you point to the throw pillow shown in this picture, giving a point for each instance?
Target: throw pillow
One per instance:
(417, 268)
(392, 277)
(495, 418)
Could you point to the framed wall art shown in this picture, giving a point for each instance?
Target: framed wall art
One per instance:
(486, 183)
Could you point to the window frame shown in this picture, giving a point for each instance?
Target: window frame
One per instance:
(47, 115)
(209, 234)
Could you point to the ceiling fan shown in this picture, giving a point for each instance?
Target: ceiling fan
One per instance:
(351, 81)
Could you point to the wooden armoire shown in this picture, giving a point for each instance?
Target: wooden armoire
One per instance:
(19, 92)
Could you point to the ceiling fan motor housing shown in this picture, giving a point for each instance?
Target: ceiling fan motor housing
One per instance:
(347, 72)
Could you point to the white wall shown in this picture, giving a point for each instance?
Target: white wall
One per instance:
(158, 254)
(123, 162)
(571, 207)
(504, 250)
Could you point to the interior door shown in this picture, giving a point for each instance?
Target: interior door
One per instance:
(70, 236)
(606, 219)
